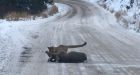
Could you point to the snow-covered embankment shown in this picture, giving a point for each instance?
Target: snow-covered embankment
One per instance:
(127, 12)
(14, 35)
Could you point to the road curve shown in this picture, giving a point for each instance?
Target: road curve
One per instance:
(111, 50)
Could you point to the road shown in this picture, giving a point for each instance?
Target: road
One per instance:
(111, 49)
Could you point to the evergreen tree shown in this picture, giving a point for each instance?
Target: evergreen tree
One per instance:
(37, 5)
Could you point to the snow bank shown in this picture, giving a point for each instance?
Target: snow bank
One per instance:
(92, 1)
(129, 11)
(14, 35)
(63, 9)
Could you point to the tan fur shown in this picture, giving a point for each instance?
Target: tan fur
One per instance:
(63, 48)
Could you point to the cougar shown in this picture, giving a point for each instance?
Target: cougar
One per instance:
(61, 49)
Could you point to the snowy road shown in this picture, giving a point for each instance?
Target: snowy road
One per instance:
(111, 50)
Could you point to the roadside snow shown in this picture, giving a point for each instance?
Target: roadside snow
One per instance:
(63, 9)
(92, 1)
(128, 9)
(14, 35)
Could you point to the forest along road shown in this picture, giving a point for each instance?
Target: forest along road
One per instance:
(110, 49)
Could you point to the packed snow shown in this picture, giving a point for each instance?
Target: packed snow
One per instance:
(14, 35)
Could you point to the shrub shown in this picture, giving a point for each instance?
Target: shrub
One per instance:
(29, 6)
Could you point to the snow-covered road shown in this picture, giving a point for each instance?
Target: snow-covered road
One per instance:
(111, 50)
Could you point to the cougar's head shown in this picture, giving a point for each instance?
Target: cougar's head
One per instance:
(52, 49)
